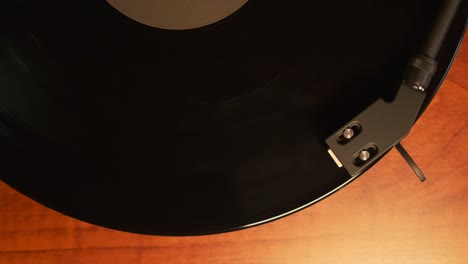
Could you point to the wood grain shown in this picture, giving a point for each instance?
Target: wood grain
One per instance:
(386, 216)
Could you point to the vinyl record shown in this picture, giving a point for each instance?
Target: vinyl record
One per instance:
(196, 128)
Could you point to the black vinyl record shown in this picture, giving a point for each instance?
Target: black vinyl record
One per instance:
(205, 130)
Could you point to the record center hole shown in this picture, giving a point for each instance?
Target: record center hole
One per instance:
(177, 14)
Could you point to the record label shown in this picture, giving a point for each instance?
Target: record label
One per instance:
(177, 14)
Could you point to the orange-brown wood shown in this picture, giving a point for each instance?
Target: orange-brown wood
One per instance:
(385, 216)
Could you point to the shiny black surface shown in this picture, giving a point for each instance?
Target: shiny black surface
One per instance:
(199, 131)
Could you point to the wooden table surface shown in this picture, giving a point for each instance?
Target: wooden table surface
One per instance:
(385, 216)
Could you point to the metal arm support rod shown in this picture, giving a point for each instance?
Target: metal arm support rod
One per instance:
(440, 27)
